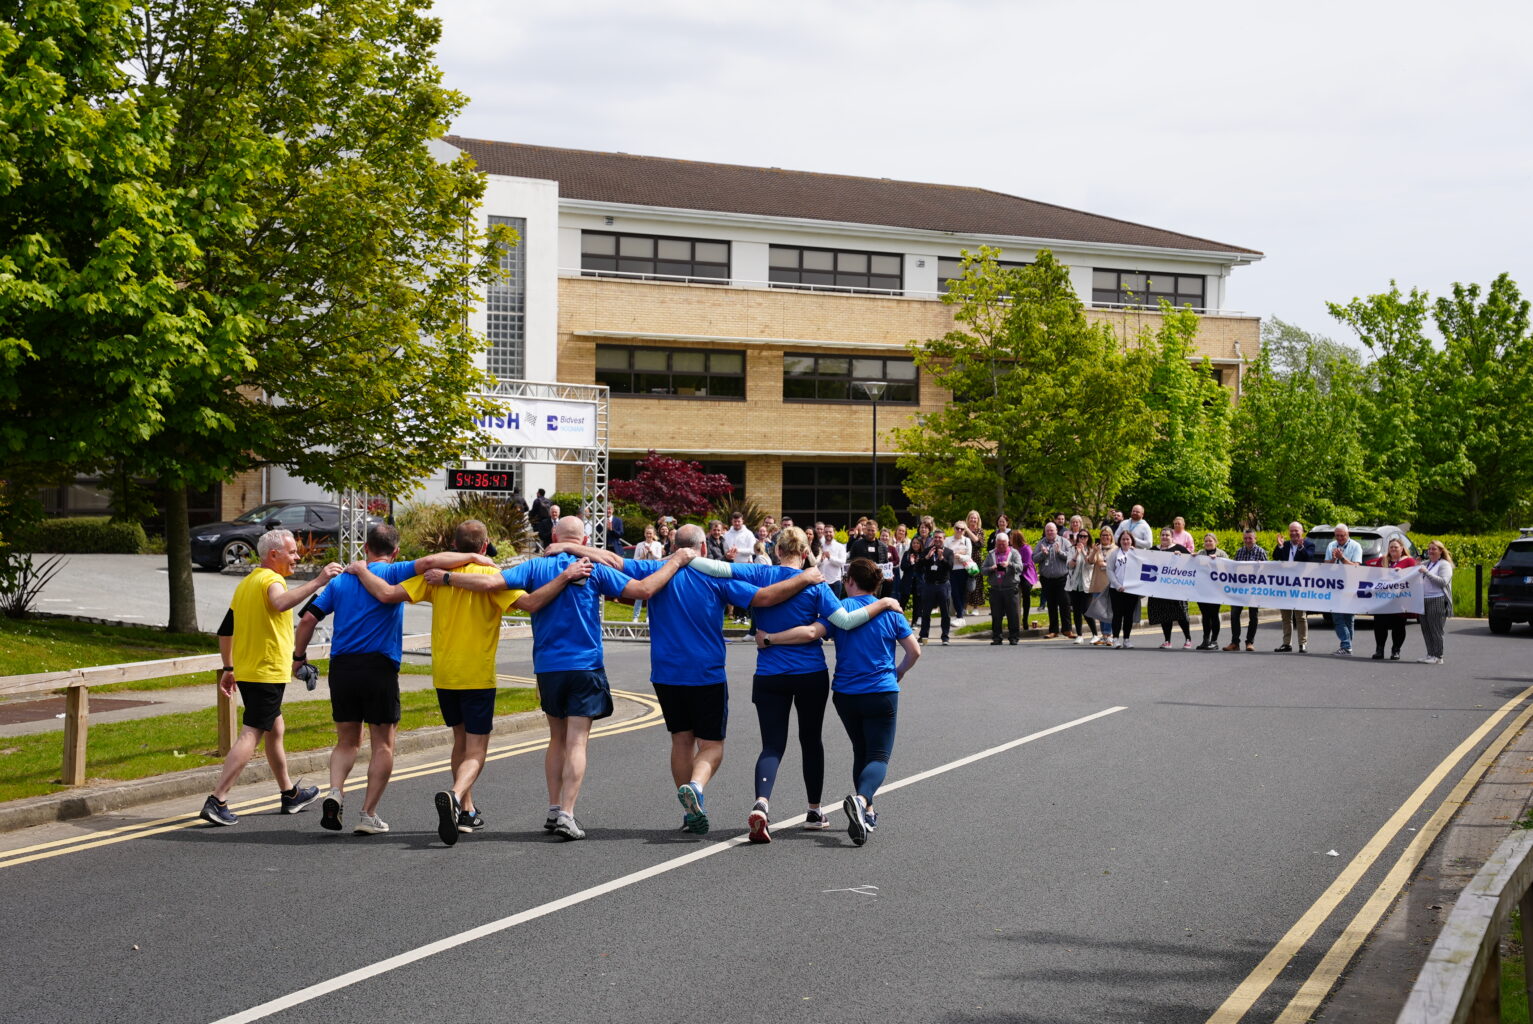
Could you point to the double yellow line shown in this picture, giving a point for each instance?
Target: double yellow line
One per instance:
(1326, 973)
(127, 833)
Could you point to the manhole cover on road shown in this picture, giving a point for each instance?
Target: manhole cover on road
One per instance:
(50, 707)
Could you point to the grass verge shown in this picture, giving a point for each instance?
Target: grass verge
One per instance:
(29, 765)
(49, 645)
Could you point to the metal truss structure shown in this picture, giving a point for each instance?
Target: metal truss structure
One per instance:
(352, 535)
(592, 461)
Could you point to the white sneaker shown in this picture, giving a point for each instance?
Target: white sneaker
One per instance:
(1080, 640)
(370, 825)
(1114, 644)
(1127, 645)
(1429, 660)
(959, 623)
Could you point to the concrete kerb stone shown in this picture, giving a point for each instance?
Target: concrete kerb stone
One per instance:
(118, 796)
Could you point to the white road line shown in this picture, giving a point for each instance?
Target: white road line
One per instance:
(431, 949)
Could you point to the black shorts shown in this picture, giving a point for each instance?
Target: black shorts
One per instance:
(472, 709)
(263, 704)
(364, 688)
(700, 710)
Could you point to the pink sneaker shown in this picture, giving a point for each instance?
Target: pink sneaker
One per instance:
(1165, 645)
(1186, 645)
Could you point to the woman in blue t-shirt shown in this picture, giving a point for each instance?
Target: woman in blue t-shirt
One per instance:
(865, 689)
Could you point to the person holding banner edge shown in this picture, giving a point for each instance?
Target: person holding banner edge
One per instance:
(1125, 606)
(1437, 572)
(1343, 551)
(1295, 620)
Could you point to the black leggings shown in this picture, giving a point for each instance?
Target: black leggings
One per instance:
(1059, 607)
(1125, 611)
(1165, 628)
(1210, 613)
(1392, 626)
(869, 719)
(1079, 601)
(1027, 601)
(774, 697)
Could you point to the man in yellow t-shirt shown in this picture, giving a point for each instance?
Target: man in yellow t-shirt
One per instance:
(256, 640)
(465, 638)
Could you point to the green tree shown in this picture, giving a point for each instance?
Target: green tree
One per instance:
(1047, 412)
(1296, 436)
(1391, 326)
(1477, 421)
(95, 326)
(1187, 468)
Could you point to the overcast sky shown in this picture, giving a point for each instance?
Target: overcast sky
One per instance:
(1350, 142)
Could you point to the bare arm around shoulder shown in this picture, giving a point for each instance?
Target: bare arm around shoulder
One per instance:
(281, 599)
(912, 649)
(450, 560)
(541, 597)
(608, 558)
(779, 592)
(649, 586)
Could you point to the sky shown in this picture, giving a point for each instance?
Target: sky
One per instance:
(1351, 142)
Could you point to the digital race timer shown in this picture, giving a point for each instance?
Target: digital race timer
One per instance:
(479, 480)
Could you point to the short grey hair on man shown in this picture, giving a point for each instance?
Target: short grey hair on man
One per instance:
(272, 539)
(690, 536)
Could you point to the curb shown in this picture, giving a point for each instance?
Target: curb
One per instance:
(118, 796)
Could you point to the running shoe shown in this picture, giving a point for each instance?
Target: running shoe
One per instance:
(216, 812)
(567, 828)
(551, 820)
(299, 797)
(856, 819)
(470, 821)
(1186, 645)
(872, 820)
(1128, 645)
(1428, 660)
(1165, 645)
(691, 798)
(760, 823)
(1342, 652)
(370, 825)
(1081, 640)
(447, 812)
(945, 642)
(816, 819)
(330, 812)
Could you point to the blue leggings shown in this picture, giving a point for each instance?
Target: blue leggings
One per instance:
(774, 697)
(869, 719)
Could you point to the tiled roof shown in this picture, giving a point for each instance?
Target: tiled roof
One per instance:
(773, 192)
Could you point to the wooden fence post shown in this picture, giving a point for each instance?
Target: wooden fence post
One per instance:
(228, 722)
(76, 714)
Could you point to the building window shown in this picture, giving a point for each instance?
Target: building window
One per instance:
(652, 257)
(948, 270)
(834, 378)
(505, 305)
(1143, 288)
(681, 372)
(835, 270)
(837, 493)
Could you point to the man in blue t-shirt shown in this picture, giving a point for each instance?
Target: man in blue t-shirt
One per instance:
(686, 659)
(865, 688)
(567, 653)
(365, 649)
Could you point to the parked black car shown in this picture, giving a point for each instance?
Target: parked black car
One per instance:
(312, 522)
(1511, 585)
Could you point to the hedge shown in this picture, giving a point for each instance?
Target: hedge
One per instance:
(84, 535)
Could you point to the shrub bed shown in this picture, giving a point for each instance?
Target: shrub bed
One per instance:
(84, 535)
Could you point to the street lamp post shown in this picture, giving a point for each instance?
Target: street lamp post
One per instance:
(875, 391)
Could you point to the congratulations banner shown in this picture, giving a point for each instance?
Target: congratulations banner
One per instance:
(1312, 586)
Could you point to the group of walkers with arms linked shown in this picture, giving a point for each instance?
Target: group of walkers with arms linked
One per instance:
(687, 596)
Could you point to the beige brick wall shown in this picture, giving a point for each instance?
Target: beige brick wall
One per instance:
(763, 421)
(241, 494)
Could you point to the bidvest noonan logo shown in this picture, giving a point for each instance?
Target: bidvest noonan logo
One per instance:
(1364, 589)
(1148, 573)
(553, 423)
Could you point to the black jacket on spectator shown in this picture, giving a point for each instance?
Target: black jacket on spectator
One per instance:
(1306, 552)
(876, 551)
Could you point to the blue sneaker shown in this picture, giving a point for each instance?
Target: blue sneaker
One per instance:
(216, 812)
(856, 819)
(691, 798)
(871, 817)
(299, 797)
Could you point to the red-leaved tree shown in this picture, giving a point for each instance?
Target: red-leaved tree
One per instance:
(672, 487)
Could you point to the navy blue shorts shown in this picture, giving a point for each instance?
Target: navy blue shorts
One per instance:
(263, 704)
(575, 693)
(472, 709)
(702, 711)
